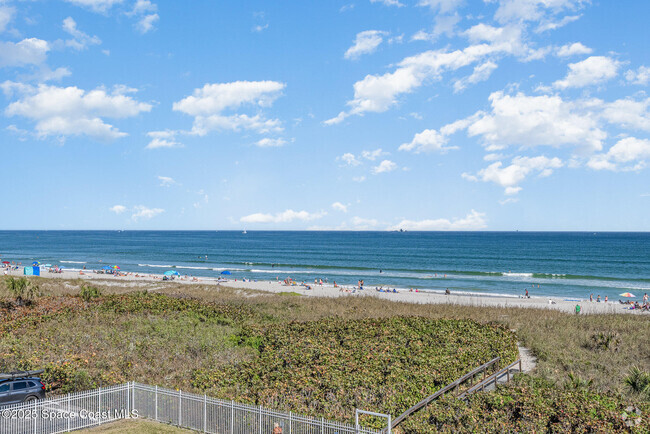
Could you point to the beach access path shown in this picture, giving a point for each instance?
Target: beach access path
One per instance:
(328, 290)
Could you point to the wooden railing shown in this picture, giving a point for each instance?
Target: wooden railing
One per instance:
(454, 385)
(494, 378)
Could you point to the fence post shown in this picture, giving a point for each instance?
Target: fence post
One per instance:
(260, 419)
(205, 412)
(180, 403)
(128, 396)
(390, 423)
(290, 422)
(520, 371)
(69, 412)
(322, 425)
(232, 416)
(133, 398)
(99, 405)
(156, 409)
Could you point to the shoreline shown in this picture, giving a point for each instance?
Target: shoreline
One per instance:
(328, 290)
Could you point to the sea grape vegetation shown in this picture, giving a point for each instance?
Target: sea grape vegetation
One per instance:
(331, 366)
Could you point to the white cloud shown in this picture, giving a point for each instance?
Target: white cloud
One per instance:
(283, 217)
(204, 124)
(388, 2)
(552, 24)
(533, 10)
(384, 167)
(427, 141)
(349, 159)
(472, 221)
(270, 143)
(443, 6)
(628, 113)
(359, 178)
(481, 73)
(573, 49)
(629, 153)
(6, 15)
(214, 98)
(510, 176)
(529, 121)
(340, 207)
(260, 27)
(373, 155)
(640, 76)
(146, 23)
(80, 40)
(361, 223)
(72, 111)
(163, 139)
(206, 104)
(378, 93)
(592, 70)
(493, 157)
(146, 13)
(166, 181)
(30, 51)
(366, 42)
(141, 212)
(141, 7)
(96, 5)
(118, 209)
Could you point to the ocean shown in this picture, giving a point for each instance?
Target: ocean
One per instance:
(560, 264)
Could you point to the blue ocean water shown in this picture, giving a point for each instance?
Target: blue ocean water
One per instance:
(498, 263)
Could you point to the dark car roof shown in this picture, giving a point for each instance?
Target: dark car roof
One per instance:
(21, 379)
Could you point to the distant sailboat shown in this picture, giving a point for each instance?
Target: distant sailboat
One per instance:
(244, 232)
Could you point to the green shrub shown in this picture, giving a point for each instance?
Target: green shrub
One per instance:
(329, 367)
(530, 404)
(21, 289)
(639, 381)
(87, 292)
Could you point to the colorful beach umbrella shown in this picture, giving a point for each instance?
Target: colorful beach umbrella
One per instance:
(36, 263)
(116, 267)
(5, 262)
(627, 294)
(172, 273)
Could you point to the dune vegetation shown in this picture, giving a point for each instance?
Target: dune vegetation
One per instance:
(325, 357)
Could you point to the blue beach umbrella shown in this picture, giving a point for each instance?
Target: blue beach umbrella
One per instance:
(172, 273)
(36, 263)
(226, 272)
(106, 267)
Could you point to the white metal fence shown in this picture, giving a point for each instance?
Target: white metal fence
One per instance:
(134, 400)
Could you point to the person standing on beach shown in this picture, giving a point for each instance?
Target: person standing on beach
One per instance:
(527, 296)
(606, 298)
(645, 298)
(591, 297)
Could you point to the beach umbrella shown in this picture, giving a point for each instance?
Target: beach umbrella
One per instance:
(627, 294)
(36, 263)
(226, 272)
(5, 262)
(116, 267)
(106, 267)
(172, 273)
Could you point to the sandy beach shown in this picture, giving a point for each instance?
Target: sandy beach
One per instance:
(328, 290)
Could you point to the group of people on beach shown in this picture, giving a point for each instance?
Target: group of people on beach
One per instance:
(645, 305)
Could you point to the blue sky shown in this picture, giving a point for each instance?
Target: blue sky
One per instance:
(364, 114)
